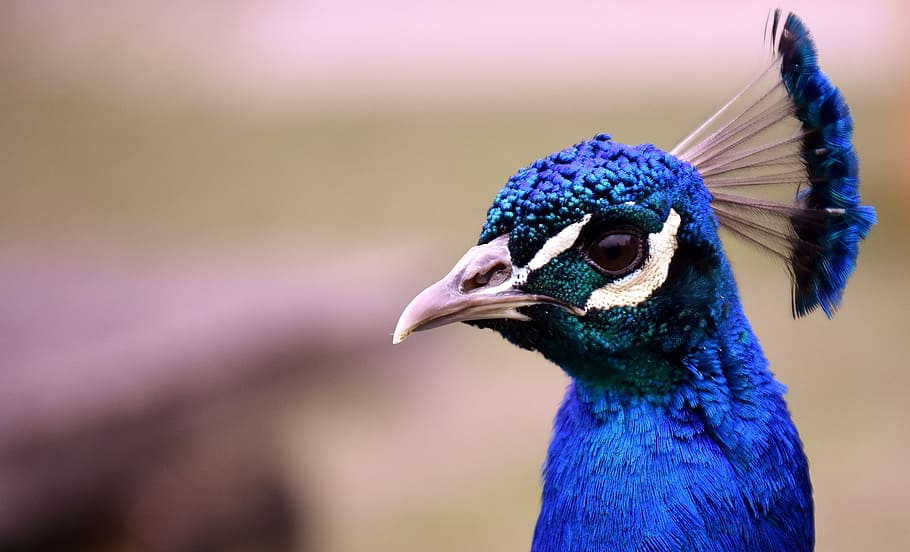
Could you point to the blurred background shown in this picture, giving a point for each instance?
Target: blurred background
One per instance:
(213, 212)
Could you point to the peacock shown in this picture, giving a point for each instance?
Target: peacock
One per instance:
(606, 259)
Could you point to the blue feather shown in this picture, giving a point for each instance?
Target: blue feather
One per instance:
(825, 256)
(817, 234)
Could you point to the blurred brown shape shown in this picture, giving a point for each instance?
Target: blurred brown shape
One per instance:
(138, 403)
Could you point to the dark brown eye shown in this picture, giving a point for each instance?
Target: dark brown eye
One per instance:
(618, 252)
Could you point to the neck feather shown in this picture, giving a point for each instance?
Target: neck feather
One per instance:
(713, 463)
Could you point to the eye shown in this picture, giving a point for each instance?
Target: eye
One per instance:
(618, 252)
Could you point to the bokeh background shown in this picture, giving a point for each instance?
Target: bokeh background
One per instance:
(212, 213)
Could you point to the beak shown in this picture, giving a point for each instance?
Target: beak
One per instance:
(484, 284)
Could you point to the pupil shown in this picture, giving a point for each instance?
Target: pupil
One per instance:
(617, 253)
(616, 246)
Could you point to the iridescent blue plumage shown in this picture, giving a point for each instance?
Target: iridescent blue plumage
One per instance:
(674, 434)
(606, 258)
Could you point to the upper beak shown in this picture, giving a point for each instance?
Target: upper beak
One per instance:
(482, 285)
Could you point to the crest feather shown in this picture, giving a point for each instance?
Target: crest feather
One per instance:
(789, 129)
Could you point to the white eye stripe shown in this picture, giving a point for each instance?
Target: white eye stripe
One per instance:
(634, 288)
(558, 243)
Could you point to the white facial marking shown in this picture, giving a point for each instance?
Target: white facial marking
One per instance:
(634, 288)
(558, 243)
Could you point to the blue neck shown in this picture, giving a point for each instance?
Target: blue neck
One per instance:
(713, 465)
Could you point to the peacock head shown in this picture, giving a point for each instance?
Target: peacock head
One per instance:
(606, 258)
(601, 251)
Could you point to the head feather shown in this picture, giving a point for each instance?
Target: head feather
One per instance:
(790, 128)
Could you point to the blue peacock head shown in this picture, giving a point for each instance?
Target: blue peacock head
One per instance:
(599, 251)
(605, 254)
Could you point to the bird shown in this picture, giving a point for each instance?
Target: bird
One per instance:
(607, 259)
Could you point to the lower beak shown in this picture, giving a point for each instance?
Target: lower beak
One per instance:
(484, 284)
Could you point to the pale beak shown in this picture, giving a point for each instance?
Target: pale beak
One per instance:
(484, 284)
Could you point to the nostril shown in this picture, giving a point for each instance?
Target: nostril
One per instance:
(490, 276)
